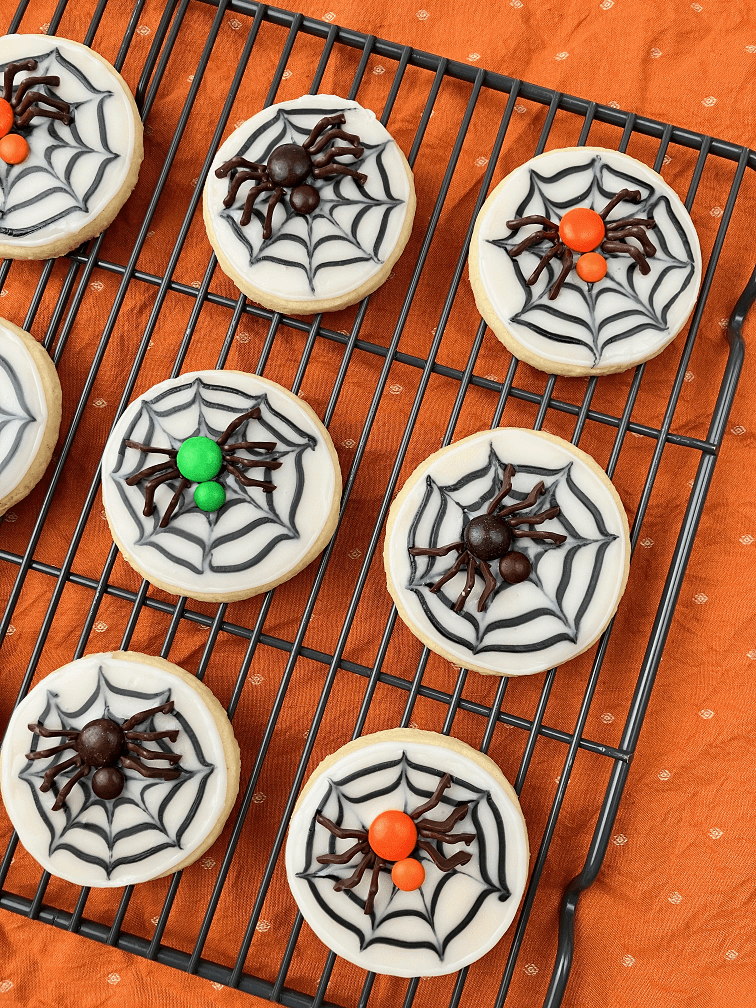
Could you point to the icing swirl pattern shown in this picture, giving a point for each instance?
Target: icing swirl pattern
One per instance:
(624, 317)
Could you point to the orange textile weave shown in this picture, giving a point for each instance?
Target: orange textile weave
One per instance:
(670, 919)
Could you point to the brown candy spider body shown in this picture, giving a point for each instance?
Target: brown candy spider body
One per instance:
(288, 167)
(583, 230)
(107, 746)
(489, 537)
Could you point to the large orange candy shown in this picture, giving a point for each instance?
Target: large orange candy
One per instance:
(14, 149)
(408, 874)
(392, 835)
(6, 117)
(581, 229)
(591, 267)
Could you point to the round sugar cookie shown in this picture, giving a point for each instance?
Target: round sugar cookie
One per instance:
(264, 509)
(341, 243)
(30, 404)
(154, 825)
(600, 324)
(429, 813)
(507, 552)
(77, 174)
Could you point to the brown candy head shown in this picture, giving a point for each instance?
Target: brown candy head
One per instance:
(514, 567)
(100, 742)
(288, 165)
(108, 782)
(304, 199)
(487, 537)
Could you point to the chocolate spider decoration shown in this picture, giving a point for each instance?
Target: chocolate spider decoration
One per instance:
(104, 744)
(489, 537)
(583, 230)
(17, 110)
(393, 836)
(200, 460)
(288, 167)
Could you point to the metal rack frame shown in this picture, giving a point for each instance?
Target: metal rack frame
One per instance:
(83, 263)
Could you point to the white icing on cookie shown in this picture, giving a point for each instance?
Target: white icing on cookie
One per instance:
(23, 410)
(154, 825)
(347, 239)
(257, 536)
(454, 917)
(572, 589)
(618, 321)
(72, 172)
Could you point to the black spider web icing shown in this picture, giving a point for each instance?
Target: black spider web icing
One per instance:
(15, 414)
(66, 164)
(193, 538)
(438, 911)
(349, 226)
(554, 615)
(625, 303)
(133, 827)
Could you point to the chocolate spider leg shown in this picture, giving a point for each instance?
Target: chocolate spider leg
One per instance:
(448, 838)
(337, 831)
(44, 753)
(153, 736)
(322, 124)
(266, 446)
(490, 583)
(52, 772)
(631, 195)
(151, 449)
(274, 201)
(141, 716)
(631, 250)
(151, 487)
(649, 249)
(246, 481)
(535, 519)
(235, 163)
(445, 864)
(39, 729)
(29, 82)
(546, 258)
(356, 877)
(173, 503)
(452, 819)
(252, 414)
(435, 550)
(554, 537)
(346, 857)
(30, 107)
(534, 239)
(529, 501)
(469, 584)
(463, 558)
(337, 169)
(434, 799)
(519, 222)
(251, 463)
(334, 134)
(369, 902)
(506, 486)
(249, 203)
(334, 152)
(238, 181)
(166, 773)
(153, 754)
(66, 789)
(10, 74)
(567, 261)
(150, 471)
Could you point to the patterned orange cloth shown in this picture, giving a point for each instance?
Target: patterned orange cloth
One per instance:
(670, 919)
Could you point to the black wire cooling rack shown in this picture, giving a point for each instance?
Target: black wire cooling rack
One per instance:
(479, 89)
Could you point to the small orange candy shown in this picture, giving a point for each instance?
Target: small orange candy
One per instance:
(581, 229)
(591, 267)
(408, 874)
(6, 117)
(392, 835)
(13, 149)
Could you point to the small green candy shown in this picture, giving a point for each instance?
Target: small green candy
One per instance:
(199, 459)
(209, 496)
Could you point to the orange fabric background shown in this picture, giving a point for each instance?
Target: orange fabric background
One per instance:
(670, 919)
